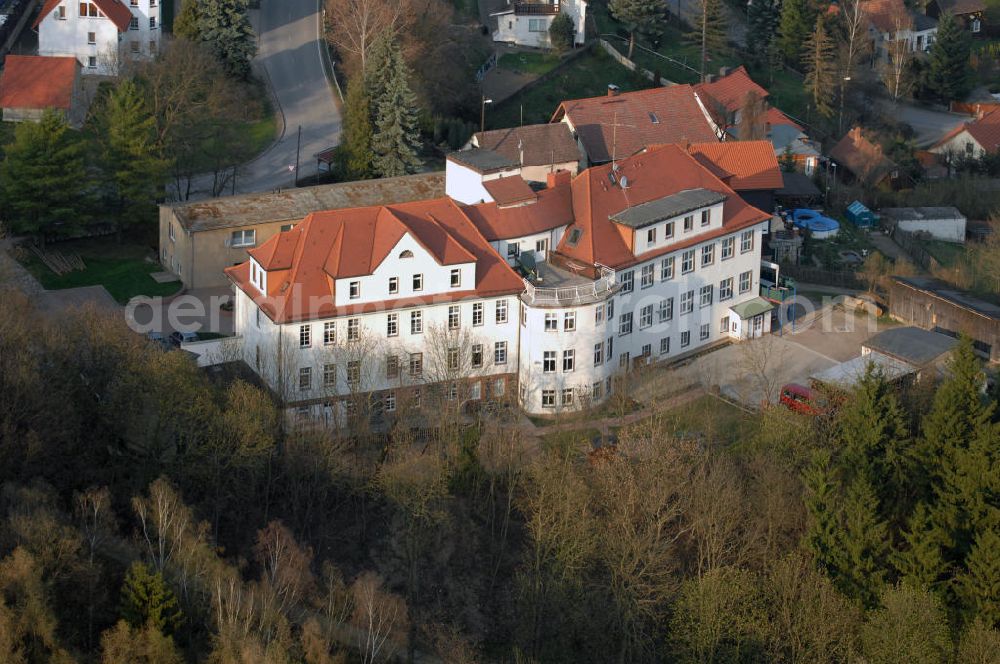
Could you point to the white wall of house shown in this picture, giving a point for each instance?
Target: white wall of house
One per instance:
(538, 245)
(465, 185)
(95, 41)
(533, 30)
(948, 230)
(961, 144)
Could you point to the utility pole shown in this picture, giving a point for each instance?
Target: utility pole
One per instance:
(482, 112)
(298, 150)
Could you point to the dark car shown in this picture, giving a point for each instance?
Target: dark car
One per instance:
(178, 338)
(159, 339)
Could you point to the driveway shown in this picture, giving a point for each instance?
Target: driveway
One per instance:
(930, 125)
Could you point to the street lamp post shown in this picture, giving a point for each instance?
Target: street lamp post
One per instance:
(482, 113)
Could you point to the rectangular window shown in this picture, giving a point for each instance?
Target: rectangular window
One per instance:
(725, 289)
(452, 359)
(705, 331)
(393, 285)
(513, 250)
(687, 302)
(647, 275)
(501, 311)
(569, 360)
(548, 398)
(668, 231)
(329, 333)
(688, 223)
(456, 278)
(746, 241)
(477, 356)
(454, 317)
(598, 314)
(707, 254)
(647, 350)
(667, 269)
(392, 325)
(305, 336)
(536, 25)
(329, 375)
(685, 339)
(569, 321)
(392, 367)
(611, 348)
(651, 236)
(61, 13)
(453, 392)
(353, 329)
(416, 364)
(416, 322)
(706, 218)
(598, 354)
(418, 282)
(475, 391)
(355, 290)
(551, 322)
(706, 295)
(500, 352)
(567, 396)
(477, 313)
(499, 387)
(610, 313)
(244, 238)
(152, 23)
(623, 360)
(305, 378)
(666, 309)
(596, 390)
(549, 361)
(728, 247)
(664, 345)
(92, 62)
(625, 324)
(745, 281)
(390, 402)
(91, 36)
(724, 325)
(353, 372)
(646, 316)
(134, 46)
(542, 246)
(687, 261)
(133, 24)
(628, 279)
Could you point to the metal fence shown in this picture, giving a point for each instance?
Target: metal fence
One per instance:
(814, 275)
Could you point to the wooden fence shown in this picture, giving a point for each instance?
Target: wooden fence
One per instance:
(915, 249)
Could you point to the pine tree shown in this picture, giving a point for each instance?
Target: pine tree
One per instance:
(949, 76)
(43, 179)
(798, 17)
(187, 23)
(397, 139)
(921, 560)
(763, 17)
(979, 588)
(147, 600)
(225, 26)
(130, 158)
(709, 33)
(641, 17)
(357, 143)
(818, 58)
(822, 536)
(864, 542)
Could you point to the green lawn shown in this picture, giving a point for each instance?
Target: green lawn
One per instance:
(586, 76)
(948, 254)
(120, 268)
(529, 62)
(708, 417)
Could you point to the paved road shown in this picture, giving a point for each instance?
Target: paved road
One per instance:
(929, 125)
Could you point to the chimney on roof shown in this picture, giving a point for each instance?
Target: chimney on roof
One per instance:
(558, 178)
(723, 72)
(613, 90)
(856, 134)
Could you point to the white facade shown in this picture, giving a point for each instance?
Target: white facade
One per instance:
(83, 31)
(529, 29)
(962, 144)
(538, 245)
(465, 184)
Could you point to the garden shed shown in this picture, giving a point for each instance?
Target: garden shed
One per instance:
(859, 215)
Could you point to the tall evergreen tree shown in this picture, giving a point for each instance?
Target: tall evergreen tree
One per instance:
(949, 75)
(709, 33)
(797, 21)
(357, 144)
(187, 23)
(818, 58)
(822, 536)
(979, 588)
(641, 17)
(43, 179)
(921, 559)
(146, 599)
(864, 542)
(225, 26)
(396, 142)
(763, 17)
(130, 157)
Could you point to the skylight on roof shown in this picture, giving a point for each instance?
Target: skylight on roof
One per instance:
(653, 118)
(574, 237)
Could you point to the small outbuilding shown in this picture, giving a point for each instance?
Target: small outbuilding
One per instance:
(859, 215)
(941, 223)
(32, 84)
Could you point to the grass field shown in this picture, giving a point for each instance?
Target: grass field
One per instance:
(948, 254)
(707, 417)
(529, 62)
(120, 268)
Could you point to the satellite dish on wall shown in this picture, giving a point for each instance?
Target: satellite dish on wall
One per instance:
(624, 182)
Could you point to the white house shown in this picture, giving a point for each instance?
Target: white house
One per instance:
(972, 140)
(99, 33)
(891, 21)
(526, 23)
(620, 266)
(941, 223)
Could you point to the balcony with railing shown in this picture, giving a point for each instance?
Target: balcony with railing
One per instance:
(536, 8)
(551, 286)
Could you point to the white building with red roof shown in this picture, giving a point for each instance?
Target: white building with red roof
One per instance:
(99, 33)
(972, 140)
(647, 259)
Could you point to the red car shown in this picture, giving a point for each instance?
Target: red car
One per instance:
(804, 400)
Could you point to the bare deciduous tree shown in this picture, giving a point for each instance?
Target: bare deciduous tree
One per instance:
(379, 617)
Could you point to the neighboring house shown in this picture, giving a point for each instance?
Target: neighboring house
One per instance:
(99, 33)
(540, 149)
(725, 94)
(864, 161)
(934, 305)
(972, 140)
(750, 168)
(892, 21)
(900, 354)
(198, 240)
(30, 84)
(788, 137)
(400, 302)
(527, 23)
(621, 124)
(941, 223)
(970, 13)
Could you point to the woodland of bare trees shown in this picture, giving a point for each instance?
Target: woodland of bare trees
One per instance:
(151, 512)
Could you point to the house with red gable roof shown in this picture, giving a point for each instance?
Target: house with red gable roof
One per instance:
(32, 84)
(972, 140)
(99, 33)
(426, 304)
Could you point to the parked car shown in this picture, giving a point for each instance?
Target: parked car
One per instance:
(804, 400)
(158, 338)
(178, 338)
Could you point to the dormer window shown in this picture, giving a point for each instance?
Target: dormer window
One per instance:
(688, 223)
(668, 231)
(355, 287)
(651, 236)
(456, 278)
(706, 218)
(574, 237)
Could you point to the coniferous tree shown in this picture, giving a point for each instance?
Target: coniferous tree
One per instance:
(921, 559)
(357, 143)
(822, 536)
(796, 23)
(187, 23)
(949, 76)
(43, 182)
(641, 17)
(562, 32)
(225, 26)
(130, 158)
(821, 68)
(864, 542)
(396, 141)
(763, 17)
(146, 599)
(709, 33)
(979, 587)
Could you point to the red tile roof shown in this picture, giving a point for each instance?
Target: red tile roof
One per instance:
(752, 163)
(115, 10)
(553, 208)
(304, 263)
(986, 131)
(775, 117)
(595, 200)
(509, 190)
(730, 90)
(540, 144)
(862, 158)
(38, 82)
(887, 14)
(628, 122)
